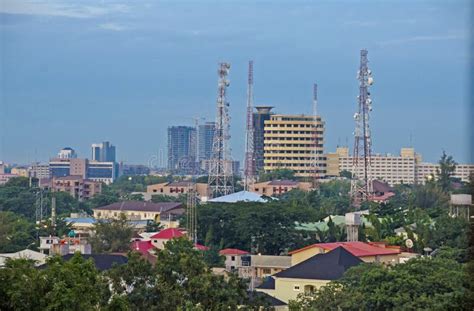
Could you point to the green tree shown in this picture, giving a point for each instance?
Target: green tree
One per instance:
(16, 233)
(345, 174)
(180, 280)
(112, 235)
(277, 174)
(444, 173)
(70, 285)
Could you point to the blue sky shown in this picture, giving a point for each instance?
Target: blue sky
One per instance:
(78, 72)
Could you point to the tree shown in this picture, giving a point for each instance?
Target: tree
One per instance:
(447, 166)
(16, 232)
(112, 235)
(277, 174)
(180, 280)
(62, 285)
(345, 174)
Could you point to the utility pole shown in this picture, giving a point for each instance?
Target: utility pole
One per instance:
(191, 214)
(361, 188)
(221, 179)
(249, 170)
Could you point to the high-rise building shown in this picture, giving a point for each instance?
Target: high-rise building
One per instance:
(39, 170)
(262, 114)
(103, 152)
(182, 149)
(67, 153)
(205, 139)
(292, 142)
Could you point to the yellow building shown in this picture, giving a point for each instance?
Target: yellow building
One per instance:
(138, 210)
(293, 142)
(309, 275)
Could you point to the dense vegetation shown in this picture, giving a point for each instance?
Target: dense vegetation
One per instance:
(180, 280)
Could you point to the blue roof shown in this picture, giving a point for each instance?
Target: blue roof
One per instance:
(84, 220)
(242, 196)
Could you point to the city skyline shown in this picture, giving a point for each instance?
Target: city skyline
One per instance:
(128, 90)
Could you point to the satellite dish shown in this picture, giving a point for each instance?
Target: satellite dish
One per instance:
(409, 243)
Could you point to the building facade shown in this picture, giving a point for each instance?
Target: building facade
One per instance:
(67, 153)
(178, 188)
(103, 152)
(105, 172)
(406, 168)
(293, 142)
(279, 187)
(205, 140)
(181, 149)
(262, 114)
(40, 171)
(76, 186)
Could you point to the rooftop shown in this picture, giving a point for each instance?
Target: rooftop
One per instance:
(328, 266)
(271, 261)
(168, 234)
(283, 182)
(242, 196)
(359, 249)
(232, 251)
(140, 206)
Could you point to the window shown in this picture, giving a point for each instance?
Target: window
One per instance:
(296, 288)
(232, 258)
(267, 271)
(309, 289)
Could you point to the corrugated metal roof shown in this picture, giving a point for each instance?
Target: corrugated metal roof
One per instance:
(242, 196)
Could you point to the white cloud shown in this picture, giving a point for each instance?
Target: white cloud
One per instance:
(415, 39)
(57, 8)
(112, 26)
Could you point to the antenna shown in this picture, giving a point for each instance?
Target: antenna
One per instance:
(361, 183)
(249, 170)
(221, 179)
(315, 166)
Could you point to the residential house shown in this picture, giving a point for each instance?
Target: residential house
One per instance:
(37, 257)
(309, 274)
(368, 252)
(139, 210)
(232, 258)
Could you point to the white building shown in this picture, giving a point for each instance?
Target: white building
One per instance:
(406, 168)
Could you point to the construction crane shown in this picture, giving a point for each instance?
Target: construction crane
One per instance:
(361, 182)
(249, 169)
(221, 180)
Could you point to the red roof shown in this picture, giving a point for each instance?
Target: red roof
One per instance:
(201, 247)
(359, 249)
(141, 246)
(168, 234)
(232, 251)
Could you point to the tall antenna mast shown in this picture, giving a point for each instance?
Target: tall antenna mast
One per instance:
(361, 188)
(221, 179)
(249, 171)
(315, 161)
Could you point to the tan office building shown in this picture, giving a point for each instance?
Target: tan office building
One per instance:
(292, 142)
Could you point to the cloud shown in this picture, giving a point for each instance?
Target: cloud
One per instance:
(415, 39)
(112, 27)
(56, 8)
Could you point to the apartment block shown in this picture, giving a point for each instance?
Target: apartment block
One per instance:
(182, 149)
(78, 187)
(293, 142)
(405, 168)
(39, 171)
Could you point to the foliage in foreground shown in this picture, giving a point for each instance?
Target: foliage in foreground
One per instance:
(419, 284)
(180, 280)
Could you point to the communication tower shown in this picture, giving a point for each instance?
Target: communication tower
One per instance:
(249, 170)
(220, 167)
(361, 183)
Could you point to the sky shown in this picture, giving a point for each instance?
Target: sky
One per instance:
(75, 73)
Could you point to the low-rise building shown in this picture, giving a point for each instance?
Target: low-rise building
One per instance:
(309, 275)
(20, 171)
(278, 187)
(76, 186)
(4, 178)
(138, 210)
(178, 188)
(232, 258)
(368, 252)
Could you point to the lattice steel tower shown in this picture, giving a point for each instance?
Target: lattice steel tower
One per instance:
(249, 170)
(221, 179)
(361, 183)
